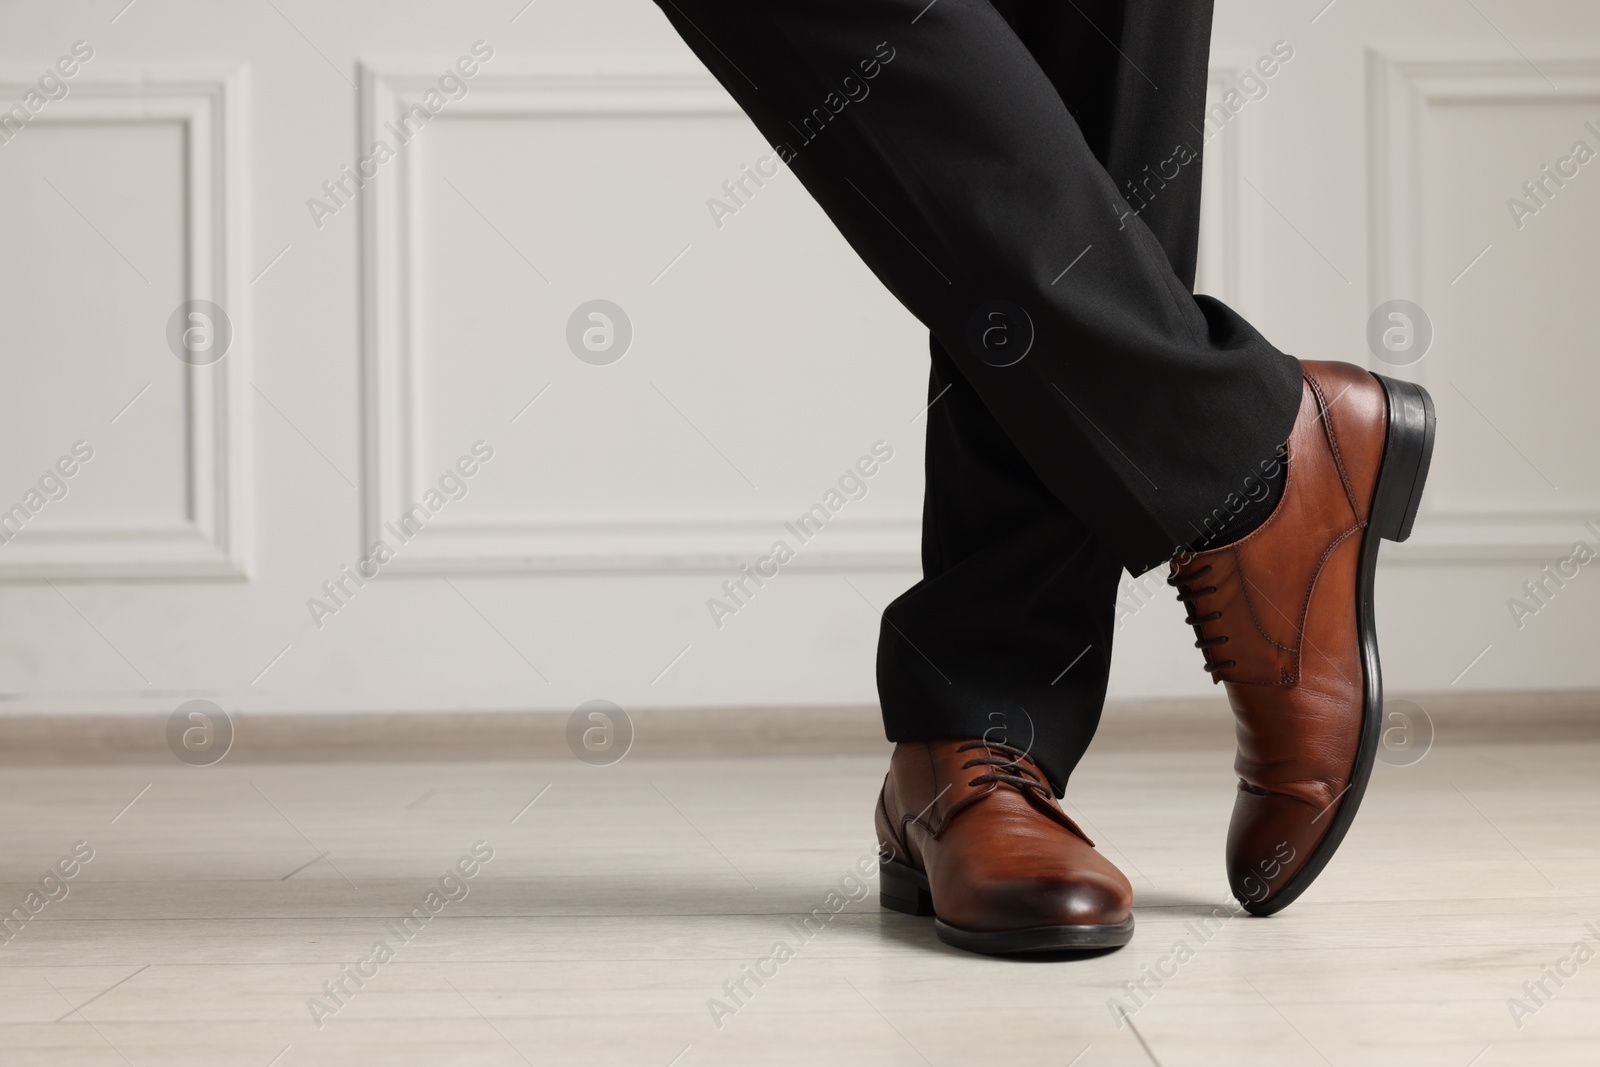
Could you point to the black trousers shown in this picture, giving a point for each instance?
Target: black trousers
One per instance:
(1023, 175)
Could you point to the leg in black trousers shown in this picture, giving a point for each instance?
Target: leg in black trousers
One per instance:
(974, 152)
(944, 153)
(1008, 636)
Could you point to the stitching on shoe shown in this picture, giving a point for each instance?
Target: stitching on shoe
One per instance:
(1316, 572)
(1333, 443)
(1245, 583)
(1327, 554)
(1314, 784)
(1305, 606)
(901, 843)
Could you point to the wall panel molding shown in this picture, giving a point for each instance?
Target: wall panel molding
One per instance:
(1403, 85)
(209, 103)
(390, 304)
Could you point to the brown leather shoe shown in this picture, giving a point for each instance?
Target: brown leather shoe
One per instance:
(1285, 617)
(970, 833)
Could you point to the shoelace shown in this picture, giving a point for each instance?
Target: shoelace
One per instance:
(1187, 595)
(1011, 771)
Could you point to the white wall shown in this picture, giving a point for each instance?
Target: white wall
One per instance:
(372, 350)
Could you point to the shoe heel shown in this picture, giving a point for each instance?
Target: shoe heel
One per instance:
(1407, 452)
(900, 888)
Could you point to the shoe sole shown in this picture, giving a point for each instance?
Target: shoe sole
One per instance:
(1407, 453)
(905, 889)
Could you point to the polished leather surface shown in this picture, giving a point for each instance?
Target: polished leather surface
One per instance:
(1291, 661)
(998, 856)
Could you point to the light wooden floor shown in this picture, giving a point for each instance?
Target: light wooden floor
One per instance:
(622, 900)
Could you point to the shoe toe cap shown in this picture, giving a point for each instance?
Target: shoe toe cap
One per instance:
(1270, 839)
